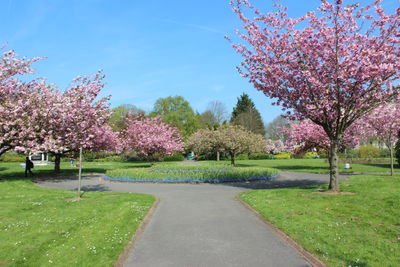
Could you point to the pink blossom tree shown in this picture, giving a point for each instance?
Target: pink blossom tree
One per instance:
(19, 102)
(274, 146)
(151, 136)
(331, 67)
(73, 118)
(306, 135)
(105, 139)
(384, 123)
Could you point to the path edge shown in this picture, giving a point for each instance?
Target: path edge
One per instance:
(311, 258)
(123, 257)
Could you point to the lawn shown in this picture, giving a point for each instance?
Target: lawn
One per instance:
(15, 170)
(41, 227)
(362, 229)
(315, 165)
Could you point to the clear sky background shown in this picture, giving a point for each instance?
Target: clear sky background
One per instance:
(147, 48)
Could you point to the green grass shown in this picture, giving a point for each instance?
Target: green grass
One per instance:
(15, 170)
(40, 227)
(314, 165)
(362, 229)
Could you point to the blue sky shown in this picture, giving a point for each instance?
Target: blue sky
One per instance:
(148, 49)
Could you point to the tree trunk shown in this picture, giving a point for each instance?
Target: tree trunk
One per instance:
(232, 159)
(57, 162)
(334, 167)
(217, 155)
(391, 161)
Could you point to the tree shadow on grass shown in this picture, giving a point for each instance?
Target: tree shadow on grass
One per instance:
(277, 183)
(51, 175)
(322, 169)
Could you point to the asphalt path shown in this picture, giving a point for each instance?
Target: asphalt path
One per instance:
(203, 224)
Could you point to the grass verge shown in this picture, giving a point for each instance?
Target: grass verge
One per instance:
(40, 227)
(361, 229)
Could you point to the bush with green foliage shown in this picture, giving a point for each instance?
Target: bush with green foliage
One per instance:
(242, 157)
(284, 155)
(311, 155)
(174, 158)
(397, 152)
(12, 157)
(368, 152)
(259, 156)
(110, 159)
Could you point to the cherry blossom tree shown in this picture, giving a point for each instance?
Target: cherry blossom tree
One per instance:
(384, 123)
(73, 118)
(105, 139)
(19, 102)
(151, 136)
(274, 146)
(231, 139)
(307, 135)
(331, 66)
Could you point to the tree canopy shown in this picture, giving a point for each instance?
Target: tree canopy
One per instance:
(331, 66)
(176, 111)
(246, 115)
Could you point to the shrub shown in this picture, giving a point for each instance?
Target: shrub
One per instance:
(384, 153)
(323, 153)
(397, 152)
(94, 156)
(311, 155)
(242, 157)
(110, 159)
(174, 158)
(257, 156)
(284, 155)
(368, 152)
(132, 156)
(12, 157)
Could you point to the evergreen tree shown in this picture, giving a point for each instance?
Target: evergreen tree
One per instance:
(246, 115)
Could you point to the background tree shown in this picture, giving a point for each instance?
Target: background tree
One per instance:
(231, 139)
(151, 136)
(218, 110)
(119, 115)
(208, 120)
(273, 129)
(203, 142)
(274, 146)
(246, 115)
(384, 123)
(331, 66)
(176, 111)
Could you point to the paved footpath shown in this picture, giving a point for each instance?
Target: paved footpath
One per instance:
(203, 224)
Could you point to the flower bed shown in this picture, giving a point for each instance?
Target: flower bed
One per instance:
(191, 176)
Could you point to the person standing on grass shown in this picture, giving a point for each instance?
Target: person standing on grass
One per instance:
(28, 167)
